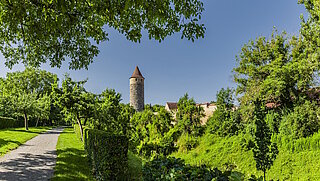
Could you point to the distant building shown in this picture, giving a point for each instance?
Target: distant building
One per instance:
(208, 111)
(137, 90)
(172, 107)
(208, 108)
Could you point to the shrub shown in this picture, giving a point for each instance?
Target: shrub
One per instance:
(10, 123)
(225, 122)
(302, 122)
(175, 169)
(186, 142)
(107, 153)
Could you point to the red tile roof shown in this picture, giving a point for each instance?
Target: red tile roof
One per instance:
(172, 105)
(136, 73)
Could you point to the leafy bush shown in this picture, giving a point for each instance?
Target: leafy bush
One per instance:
(225, 122)
(175, 169)
(189, 116)
(10, 123)
(107, 153)
(151, 134)
(186, 142)
(302, 122)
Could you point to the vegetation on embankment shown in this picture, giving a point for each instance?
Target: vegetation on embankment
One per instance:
(297, 159)
(72, 163)
(12, 138)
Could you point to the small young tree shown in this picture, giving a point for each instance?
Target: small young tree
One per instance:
(74, 100)
(264, 151)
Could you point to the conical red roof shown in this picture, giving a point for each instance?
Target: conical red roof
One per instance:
(136, 73)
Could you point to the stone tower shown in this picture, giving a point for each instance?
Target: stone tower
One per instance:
(137, 90)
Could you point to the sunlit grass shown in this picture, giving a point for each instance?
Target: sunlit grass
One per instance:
(12, 138)
(72, 163)
(219, 152)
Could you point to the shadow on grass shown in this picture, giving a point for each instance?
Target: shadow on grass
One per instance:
(72, 163)
(25, 131)
(6, 142)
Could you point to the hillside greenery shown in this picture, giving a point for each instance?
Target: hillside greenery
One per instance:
(272, 134)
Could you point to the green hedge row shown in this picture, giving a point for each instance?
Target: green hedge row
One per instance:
(10, 123)
(107, 154)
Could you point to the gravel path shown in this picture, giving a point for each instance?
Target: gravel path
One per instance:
(34, 160)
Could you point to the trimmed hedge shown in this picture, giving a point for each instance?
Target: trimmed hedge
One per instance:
(10, 123)
(107, 154)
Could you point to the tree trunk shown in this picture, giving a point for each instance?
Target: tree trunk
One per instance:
(25, 120)
(37, 122)
(80, 126)
(264, 175)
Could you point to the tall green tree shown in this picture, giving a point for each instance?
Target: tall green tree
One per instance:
(74, 100)
(264, 151)
(278, 70)
(189, 115)
(310, 29)
(33, 32)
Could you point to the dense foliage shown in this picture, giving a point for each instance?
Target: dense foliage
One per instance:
(107, 154)
(226, 118)
(188, 116)
(34, 32)
(175, 169)
(152, 133)
(27, 94)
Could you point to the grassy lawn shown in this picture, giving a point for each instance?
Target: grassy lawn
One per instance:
(72, 163)
(12, 138)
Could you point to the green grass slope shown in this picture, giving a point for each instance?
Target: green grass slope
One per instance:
(297, 159)
(12, 138)
(72, 163)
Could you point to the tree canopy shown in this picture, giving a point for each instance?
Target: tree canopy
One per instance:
(34, 32)
(27, 93)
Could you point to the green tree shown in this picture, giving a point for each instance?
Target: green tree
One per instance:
(43, 108)
(225, 120)
(108, 112)
(189, 115)
(310, 32)
(150, 132)
(34, 32)
(74, 100)
(24, 90)
(264, 151)
(278, 70)
(225, 98)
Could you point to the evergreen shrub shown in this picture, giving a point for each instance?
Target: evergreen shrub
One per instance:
(107, 154)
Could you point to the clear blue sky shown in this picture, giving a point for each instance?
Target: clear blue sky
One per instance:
(174, 66)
